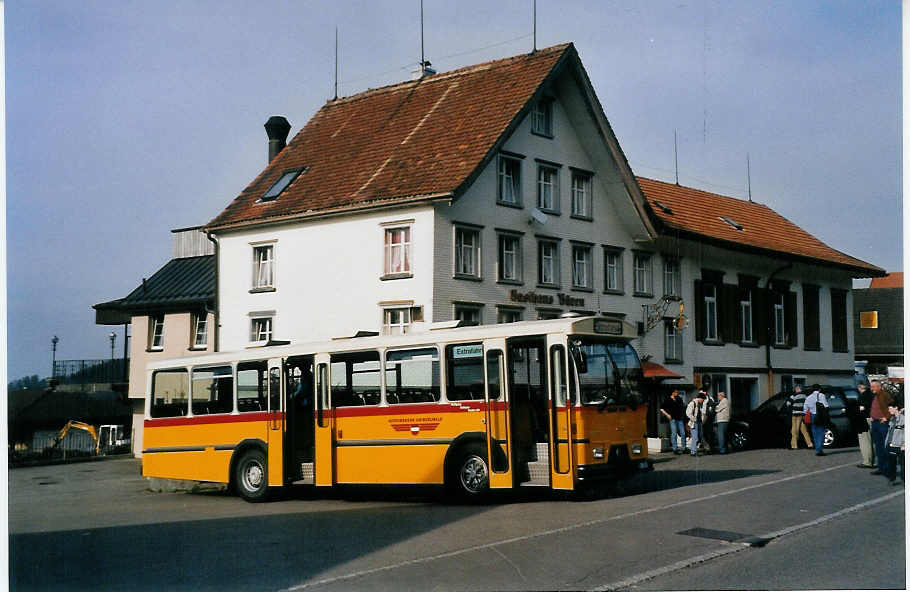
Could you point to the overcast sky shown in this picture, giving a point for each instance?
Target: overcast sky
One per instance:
(128, 119)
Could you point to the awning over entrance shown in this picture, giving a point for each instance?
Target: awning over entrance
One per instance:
(652, 370)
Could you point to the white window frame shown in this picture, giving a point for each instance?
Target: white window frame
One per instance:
(542, 117)
(474, 309)
(262, 328)
(745, 317)
(514, 254)
(503, 311)
(553, 260)
(462, 269)
(403, 249)
(200, 329)
(673, 342)
(581, 194)
(263, 268)
(548, 181)
(404, 320)
(615, 269)
(582, 268)
(780, 320)
(509, 184)
(642, 274)
(156, 332)
(672, 277)
(710, 311)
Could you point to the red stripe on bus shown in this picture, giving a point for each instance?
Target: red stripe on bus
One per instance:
(209, 419)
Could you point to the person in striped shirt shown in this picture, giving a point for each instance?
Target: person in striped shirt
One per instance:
(796, 402)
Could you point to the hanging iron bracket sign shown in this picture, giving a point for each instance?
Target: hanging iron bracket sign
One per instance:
(654, 314)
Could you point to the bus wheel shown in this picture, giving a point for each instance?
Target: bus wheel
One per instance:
(470, 477)
(251, 476)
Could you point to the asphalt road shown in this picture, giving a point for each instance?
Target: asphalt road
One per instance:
(764, 519)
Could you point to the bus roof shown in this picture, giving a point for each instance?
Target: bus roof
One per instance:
(607, 326)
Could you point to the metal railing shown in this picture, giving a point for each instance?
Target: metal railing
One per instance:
(91, 371)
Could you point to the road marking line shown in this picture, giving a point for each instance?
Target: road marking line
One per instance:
(736, 547)
(560, 530)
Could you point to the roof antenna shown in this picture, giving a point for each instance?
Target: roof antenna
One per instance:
(676, 157)
(336, 65)
(534, 17)
(748, 176)
(423, 69)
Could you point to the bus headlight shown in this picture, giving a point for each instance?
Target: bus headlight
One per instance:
(636, 448)
(598, 453)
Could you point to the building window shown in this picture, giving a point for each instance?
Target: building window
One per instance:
(397, 251)
(509, 258)
(467, 252)
(780, 336)
(672, 342)
(745, 316)
(613, 270)
(643, 280)
(581, 267)
(281, 184)
(868, 319)
(156, 332)
(548, 189)
(710, 296)
(264, 266)
(672, 278)
(508, 315)
(581, 194)
(839, 341)
(200, 330)
(542, 117)
(548, 263)
(260, 329)
(509, 181)
(543, 315)
(396, 321)
(468, 314)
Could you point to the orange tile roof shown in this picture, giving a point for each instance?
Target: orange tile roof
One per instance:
(700, 213)
(892, 280)
(406, 142)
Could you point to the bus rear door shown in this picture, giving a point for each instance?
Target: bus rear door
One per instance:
(276, 424)
(496, 396)
(562, 466)
(325, 425)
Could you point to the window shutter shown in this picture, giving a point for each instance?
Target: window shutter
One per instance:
(731, 331)
(811, 324)
(790, 319)
(699, 311)
(761, 326)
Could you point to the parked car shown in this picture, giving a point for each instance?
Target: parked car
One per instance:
(768, 425)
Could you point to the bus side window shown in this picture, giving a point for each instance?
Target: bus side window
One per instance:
(213, 390)
(355, 379)
(412, 376)
(251, 387)
(322, 393)
(558, 369)
(275, 389)
(464, 372)
(169, 393)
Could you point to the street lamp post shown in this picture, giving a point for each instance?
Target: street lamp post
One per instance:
(112, 337)
(54, 342)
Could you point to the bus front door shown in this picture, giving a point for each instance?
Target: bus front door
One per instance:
(276, 424)
(325, 425)
(562, 430)
(496, 396)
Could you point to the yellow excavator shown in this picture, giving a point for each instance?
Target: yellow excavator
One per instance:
(111, 438)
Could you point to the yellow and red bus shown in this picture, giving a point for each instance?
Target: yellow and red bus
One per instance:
(551, 403)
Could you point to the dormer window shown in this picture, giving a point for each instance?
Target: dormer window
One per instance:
(281, 184)
(542, 118)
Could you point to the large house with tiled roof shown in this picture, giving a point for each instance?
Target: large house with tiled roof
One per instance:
(498, 192)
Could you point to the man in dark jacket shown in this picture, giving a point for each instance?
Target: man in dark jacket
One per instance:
(878, 414)
(675, 411)
(861, 425)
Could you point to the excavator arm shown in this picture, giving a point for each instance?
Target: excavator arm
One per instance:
(73, 424)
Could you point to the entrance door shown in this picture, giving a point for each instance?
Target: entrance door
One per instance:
(325, 424)
(276, 424)
(496, 396)
(300, 392)
(529, 409)
(562, 469)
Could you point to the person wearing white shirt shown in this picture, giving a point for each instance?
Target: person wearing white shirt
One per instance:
(819, 424)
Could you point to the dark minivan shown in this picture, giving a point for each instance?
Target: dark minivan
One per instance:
(768, 425)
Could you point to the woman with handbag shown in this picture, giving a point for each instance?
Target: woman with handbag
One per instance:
(816, 406)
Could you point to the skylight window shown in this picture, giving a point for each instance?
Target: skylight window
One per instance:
(664, 208)
(732, 223)
(281, 184)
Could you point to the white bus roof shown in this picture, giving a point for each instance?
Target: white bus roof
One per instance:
(606, 326)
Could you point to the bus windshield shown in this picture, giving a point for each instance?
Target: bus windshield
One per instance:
(609, 373)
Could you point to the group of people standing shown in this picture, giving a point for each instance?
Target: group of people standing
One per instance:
(703, 416)
(880, 431)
